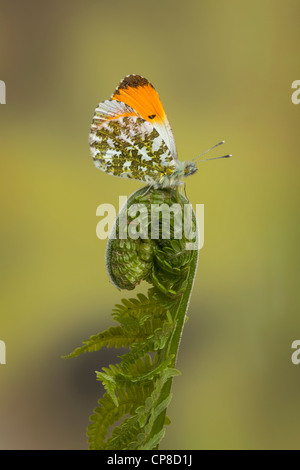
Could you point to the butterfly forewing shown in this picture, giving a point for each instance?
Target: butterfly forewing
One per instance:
(138, 93)
(126, 145)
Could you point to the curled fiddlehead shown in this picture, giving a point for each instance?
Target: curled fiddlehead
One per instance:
(151, 241)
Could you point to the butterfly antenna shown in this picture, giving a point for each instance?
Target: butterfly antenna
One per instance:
(217, 145)
(214, 158)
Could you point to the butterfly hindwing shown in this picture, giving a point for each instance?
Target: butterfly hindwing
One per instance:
(126, 145)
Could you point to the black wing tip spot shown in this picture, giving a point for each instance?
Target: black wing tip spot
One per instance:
(132, 81)
(152, 116)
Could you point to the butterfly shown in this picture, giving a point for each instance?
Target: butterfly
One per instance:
(131, 137)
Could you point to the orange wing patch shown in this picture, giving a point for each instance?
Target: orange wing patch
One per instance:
(139, 94)
(121, 115)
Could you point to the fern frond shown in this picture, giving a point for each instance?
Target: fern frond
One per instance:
(135, 431)
(152, 343)
(125, 435)
(134, 312)
(138, 388)
(106, 414)
(154, 441)
(124, 373)
(132, 315)
(113, 337)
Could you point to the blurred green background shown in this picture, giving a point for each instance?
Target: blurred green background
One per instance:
(223, 71)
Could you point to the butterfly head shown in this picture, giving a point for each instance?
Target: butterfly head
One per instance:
(189, 168)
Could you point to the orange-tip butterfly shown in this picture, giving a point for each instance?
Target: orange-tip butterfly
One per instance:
(131, 137)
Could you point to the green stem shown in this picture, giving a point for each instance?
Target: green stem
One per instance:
(173, 347)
